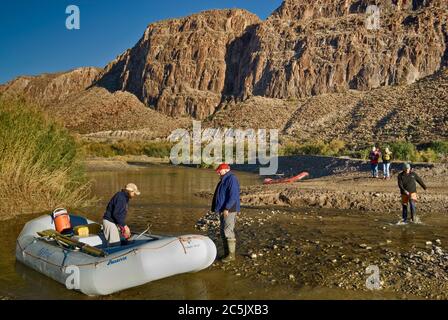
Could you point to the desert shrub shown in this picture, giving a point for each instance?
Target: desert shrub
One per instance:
(405, 151)
(157, 149)
(336, 147)
(333, 148)
(40, 166)
(122, 148)
(314, 148)
(439, 147)
(428, 155)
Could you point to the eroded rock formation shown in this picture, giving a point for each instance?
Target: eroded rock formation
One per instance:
(179, 65)
(306, 47)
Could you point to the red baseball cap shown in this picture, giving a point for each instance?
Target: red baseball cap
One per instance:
(222, 166)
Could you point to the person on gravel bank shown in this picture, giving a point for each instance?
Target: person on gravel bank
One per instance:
(226, 202)
(386, 163)
(408, 189)
(374, 157)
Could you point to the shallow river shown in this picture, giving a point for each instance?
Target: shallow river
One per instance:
(169, 205)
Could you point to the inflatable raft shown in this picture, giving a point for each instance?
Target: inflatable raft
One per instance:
(143, 259)
(298, 177)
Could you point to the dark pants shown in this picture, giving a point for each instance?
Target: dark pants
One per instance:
(374, 169)
(413, 211)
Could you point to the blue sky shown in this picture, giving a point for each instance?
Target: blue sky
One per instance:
(34, 39)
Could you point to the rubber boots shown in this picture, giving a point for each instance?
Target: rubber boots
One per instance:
(225, 247)
(413, 211)
(405, 213)
(232, 248)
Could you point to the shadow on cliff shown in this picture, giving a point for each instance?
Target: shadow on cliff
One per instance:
(238, 60)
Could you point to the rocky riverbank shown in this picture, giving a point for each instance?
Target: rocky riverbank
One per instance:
(327, 230)
(345, 184)
(315, 248)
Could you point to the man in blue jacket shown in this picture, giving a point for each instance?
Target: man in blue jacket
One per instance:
(114, 219)
(226, 202)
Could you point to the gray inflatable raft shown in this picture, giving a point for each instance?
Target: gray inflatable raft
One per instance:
(145, 258)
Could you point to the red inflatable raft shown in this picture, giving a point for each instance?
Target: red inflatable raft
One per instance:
(286, 180)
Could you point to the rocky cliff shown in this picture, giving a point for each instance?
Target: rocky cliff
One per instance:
(415, 112)
(179, 66)
(306, 47)
(310, 47)
(231, 68)
(70, 97)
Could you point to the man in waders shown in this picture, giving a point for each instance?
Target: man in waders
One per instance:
(226, 202)
(114, 219)
(408, 189)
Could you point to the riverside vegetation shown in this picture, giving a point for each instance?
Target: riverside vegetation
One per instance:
(436, 151)
(40, 164)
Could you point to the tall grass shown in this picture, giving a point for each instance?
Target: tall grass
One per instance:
(122, 148)
(40, 168)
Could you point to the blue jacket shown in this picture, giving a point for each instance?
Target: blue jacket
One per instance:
(117, 208)
(227, 194)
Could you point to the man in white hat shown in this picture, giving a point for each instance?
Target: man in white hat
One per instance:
(114, 219)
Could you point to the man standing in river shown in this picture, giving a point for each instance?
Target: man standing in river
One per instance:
(114, 219)
(226, 202)
(408, 189)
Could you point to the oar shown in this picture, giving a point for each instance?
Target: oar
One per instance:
(73, 243)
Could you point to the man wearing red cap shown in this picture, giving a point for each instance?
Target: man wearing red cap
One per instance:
(226, 202)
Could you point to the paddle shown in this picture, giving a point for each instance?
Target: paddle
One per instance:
(52, 234)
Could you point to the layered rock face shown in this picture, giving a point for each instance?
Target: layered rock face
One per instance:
(416, 112)
(179, 66)
(252, 73)
(310, 47)
(306, 47)
(50, 88)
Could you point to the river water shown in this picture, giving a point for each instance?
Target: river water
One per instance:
(169, 206)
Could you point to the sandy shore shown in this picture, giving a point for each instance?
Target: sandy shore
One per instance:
(121, 163)
(344, 184)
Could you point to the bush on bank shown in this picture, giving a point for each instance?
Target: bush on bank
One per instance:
(402, 151)
(40, 167)
(121, 148)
